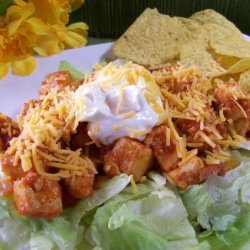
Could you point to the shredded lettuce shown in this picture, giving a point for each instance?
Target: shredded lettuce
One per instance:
(235, 237)
(240, 155)
(221, 206)
(107, 191)
(114, 217)
(64, 65)
(152, 218)
(63, 232)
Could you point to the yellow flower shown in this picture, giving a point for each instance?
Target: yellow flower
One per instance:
(22, 67)
(17, 14)
(75, 4)
(61, 37)
(37, 26)
(4, 69)
(73, 36)
(52, 11)
(25, 66)
(21, 31)
(76, 35)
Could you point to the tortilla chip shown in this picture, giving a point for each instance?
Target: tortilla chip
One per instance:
(237, 71)
(226, 77)
(151, 40)
(209, 16)
(223, 60)
(206, 39)
(240, 66)
(198, 50)
(195, 53)
(189, 28)
(231, 45)
(245, 80)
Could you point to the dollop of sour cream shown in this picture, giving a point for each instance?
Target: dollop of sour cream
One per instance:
(115, 103)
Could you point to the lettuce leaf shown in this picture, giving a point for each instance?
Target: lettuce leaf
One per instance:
(64, 65)
(107, 190)
(240, 154)
(114, 217)
(62, 232)
(221, 206)
(152, 218)
(235, 237)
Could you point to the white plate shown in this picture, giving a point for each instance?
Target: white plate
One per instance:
(16, 90)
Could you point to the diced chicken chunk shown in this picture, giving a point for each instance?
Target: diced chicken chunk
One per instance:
(191, 128)
(6, 187)
(8, 130)
(80, 186)
(165, 155)
(194, 172)
(225, 100)
(188, 127)
(60, 78)
(245, 104)
(8, 168)
(237, 110)
(128, 156)
(37, 196)
(81, 139)
(244, 124)
(210, 170)
(223, 130)
(187, 174)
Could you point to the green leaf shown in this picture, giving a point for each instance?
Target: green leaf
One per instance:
(237, 236)
(64, 65)
(39, 241)
(134, 235)
(197, 200)
(152, 218)
(222, 206)
(62, 232)
(107, 190)
(4, 5)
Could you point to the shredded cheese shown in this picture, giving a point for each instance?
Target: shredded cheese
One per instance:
(133, 186)
(194, 144)
(38, 146)
(221, 114)
(207, 139)
(128, 115)
(186, 93)
(189, 156)
(168, 136)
